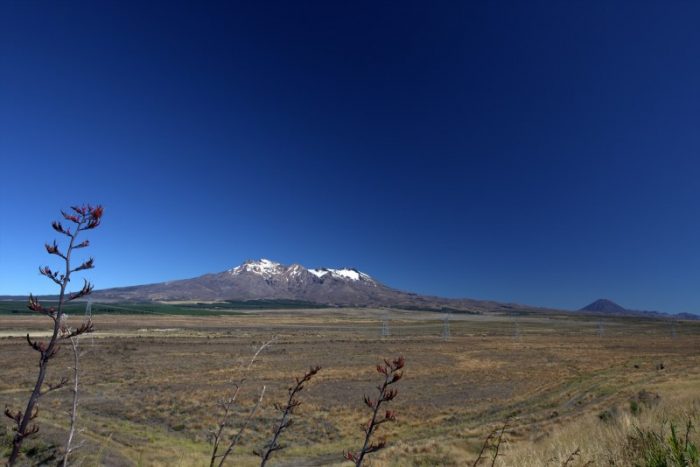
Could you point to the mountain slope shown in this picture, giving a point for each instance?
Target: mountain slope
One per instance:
(267, 280)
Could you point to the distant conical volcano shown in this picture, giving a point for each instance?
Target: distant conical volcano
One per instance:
(603, 305)
(608, 307)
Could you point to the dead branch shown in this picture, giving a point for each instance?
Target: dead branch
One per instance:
(227, 406)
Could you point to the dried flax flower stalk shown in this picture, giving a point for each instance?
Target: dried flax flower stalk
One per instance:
(392, 372)
(83, 218)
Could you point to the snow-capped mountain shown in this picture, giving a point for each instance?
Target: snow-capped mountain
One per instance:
(263, 279)
(269, 269)
(268, 280)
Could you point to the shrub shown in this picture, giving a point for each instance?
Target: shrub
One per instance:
(650, 448)
(635, 408)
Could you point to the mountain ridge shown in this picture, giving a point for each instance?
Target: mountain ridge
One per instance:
(264, 279)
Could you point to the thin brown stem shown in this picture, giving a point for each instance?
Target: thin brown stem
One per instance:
(571, 457)
(75, 345)
(497, 434)
(486, 444)
(497, 447)
(236, 439)
(228, 404)
(285, 421)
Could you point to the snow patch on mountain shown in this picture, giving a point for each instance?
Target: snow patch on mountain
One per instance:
(295, 270)
(263, 267)
(319, 272)
(344, 273)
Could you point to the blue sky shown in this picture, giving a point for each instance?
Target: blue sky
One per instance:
(537, 152)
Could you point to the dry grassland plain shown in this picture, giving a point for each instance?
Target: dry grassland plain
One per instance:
(150, 384)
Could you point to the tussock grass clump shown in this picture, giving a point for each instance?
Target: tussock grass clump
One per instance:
(660, 434)
(664, 447)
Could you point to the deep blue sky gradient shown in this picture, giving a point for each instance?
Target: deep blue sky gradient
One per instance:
(537, 152)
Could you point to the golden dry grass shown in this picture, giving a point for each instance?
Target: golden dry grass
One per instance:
(606, 442)
(151, 383)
